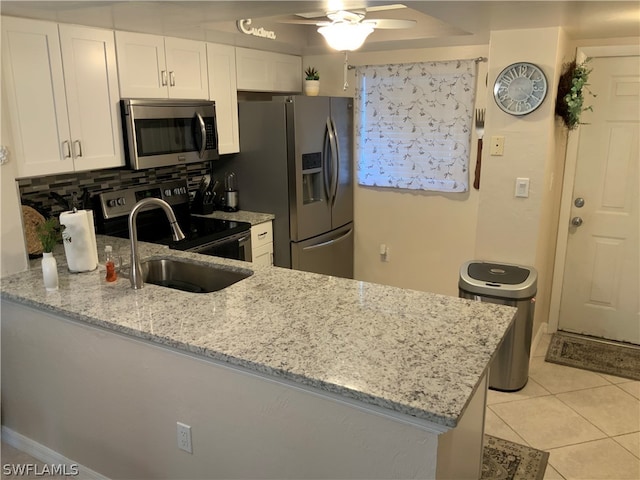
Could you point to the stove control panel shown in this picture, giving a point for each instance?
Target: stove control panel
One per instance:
(120, 202)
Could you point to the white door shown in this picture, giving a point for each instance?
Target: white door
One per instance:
(141, 65)
(32, 72)
(601, 288)
(221, 61)
(187, 67)
(91, 79)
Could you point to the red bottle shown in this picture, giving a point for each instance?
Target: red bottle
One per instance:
(112, 276)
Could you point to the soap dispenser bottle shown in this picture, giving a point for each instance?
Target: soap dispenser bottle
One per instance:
(110, 264)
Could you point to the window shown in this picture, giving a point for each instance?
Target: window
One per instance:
(413, 124)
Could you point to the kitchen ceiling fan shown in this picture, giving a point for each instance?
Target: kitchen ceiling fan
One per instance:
(347, 30)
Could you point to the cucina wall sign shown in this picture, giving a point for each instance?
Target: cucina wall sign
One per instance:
(244, 25)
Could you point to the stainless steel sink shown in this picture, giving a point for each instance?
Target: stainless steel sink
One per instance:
(189, 276)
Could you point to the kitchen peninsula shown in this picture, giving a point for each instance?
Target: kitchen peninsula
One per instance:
(285, 374)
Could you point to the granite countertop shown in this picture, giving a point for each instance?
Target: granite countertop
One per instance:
(254, 218)
(416, 353)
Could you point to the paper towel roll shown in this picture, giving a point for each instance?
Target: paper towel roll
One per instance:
(79, 239)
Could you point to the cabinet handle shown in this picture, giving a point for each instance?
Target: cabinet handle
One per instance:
(78, 148)
(262, 235)
(66, 149)
(172, 79)
(164, 78)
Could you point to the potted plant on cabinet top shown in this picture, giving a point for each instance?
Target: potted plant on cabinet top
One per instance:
(49, 234)
(311, 82)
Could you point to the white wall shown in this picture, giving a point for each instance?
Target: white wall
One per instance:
(13, 251)
(429, 235)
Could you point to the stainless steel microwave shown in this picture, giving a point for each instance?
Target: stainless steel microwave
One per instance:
(159, 133)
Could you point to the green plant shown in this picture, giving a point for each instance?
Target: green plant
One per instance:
(571, 88)
(49, 233)
(312, 74)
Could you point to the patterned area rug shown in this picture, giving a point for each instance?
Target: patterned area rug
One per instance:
(504, 460)
(620, 360)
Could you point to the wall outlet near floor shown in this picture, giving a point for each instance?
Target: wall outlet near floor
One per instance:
(184, 437)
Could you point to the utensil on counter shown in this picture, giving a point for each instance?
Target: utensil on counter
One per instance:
(60, 200)
(230, 193)
(480, 133)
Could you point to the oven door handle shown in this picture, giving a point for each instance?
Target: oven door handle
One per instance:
(239, 238)
(203, 135)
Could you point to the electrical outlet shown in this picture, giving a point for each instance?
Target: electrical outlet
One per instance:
(497, 145)
(184, 437)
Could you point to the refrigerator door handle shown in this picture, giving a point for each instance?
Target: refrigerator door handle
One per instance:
(333, 144)
(326, 152)
(329, 242)
(336, 160)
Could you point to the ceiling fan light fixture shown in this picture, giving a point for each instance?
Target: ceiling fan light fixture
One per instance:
(344, 36)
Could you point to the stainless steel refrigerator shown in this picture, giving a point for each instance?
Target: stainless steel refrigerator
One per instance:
(296, 161)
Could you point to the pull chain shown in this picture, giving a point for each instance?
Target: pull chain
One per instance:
(346, 67)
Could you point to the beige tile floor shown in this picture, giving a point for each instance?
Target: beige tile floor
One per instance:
(588, 422)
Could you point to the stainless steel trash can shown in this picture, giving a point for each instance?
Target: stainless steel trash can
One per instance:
(512, 285)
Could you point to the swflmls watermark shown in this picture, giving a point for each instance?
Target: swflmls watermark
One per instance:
(40, 470)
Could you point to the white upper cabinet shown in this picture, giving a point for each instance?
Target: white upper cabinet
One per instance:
(261, 71)
(62, 95)
(222, 90)
(151, 66)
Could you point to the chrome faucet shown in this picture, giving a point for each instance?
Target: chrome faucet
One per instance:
(136, 269)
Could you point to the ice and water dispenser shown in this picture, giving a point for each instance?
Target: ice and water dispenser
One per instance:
(312, 179)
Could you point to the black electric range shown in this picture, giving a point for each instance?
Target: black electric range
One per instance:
(205, 235)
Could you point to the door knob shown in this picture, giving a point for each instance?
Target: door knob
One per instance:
(579, 202)
(576, 221)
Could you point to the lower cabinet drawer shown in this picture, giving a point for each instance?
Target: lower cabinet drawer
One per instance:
(261, 234)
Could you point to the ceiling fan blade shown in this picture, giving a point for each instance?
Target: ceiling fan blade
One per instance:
(380, 8)
(390, 23)
(296, 20)
(311, 15)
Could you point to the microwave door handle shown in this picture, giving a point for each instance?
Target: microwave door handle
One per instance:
(203, 135)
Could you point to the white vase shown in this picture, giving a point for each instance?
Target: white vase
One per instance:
(312, 88)
(49, 272)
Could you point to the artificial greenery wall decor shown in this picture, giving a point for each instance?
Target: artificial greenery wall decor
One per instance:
(571, 88)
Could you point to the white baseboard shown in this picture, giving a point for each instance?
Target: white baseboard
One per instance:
(538, 338)
(45, 454)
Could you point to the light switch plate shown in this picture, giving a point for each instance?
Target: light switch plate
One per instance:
(497, 145)
(522, 187)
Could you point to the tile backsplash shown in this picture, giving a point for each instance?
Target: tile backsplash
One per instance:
(36, 191)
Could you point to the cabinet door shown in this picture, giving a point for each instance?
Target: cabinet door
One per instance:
(287, 74)
(253, 70)
(268, 71)
(263, 255)
(141, 65)
(221, 60)
(90, 73)
(32, 72)
(187, 68)
(262, 243)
